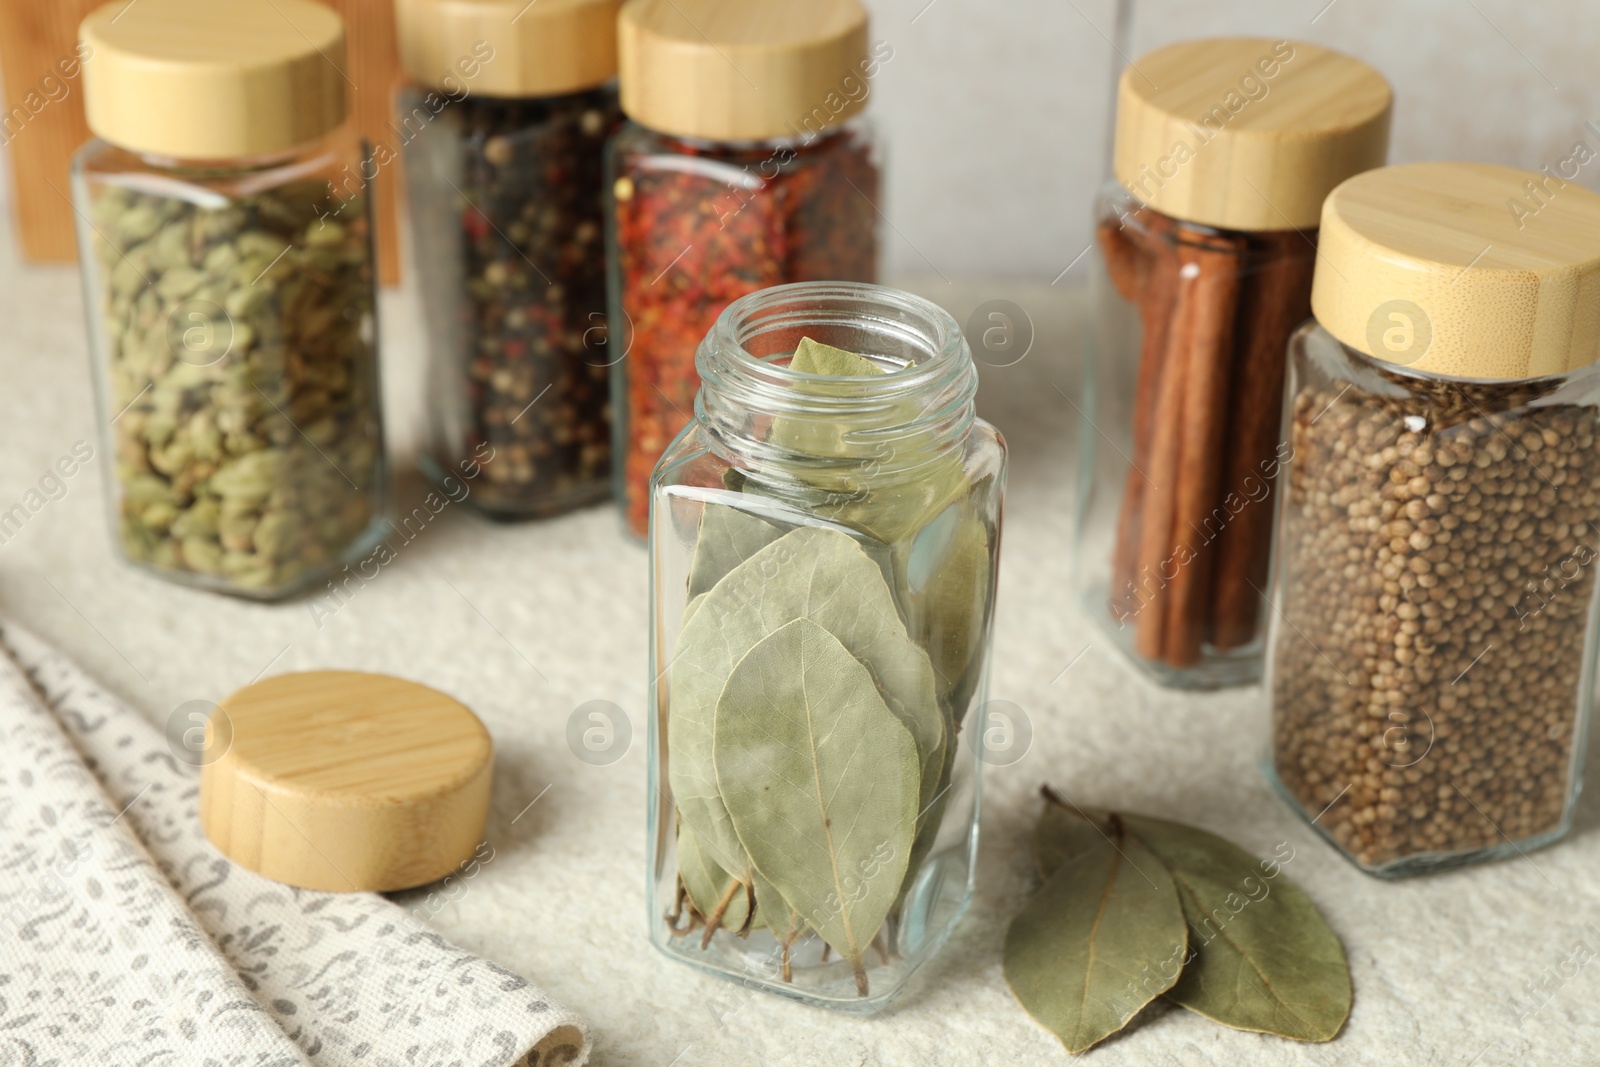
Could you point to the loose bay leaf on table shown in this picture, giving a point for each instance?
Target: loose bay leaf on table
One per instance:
(1092, 946)
(708, 885)
(821, 781)
(1267, 963)
(1065, 831)
(726, 538)
(1272, 965)
(813, 573)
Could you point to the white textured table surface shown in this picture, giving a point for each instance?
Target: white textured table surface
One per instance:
(524, 623)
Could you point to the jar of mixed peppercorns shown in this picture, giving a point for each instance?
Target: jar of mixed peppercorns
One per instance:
(225, 237)
(745, 165)
(502, 129)
(1225, 149)
(1431, 663)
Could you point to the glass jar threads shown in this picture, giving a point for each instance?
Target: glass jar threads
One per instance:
(1224, 151)
(824, 547)
(719, 188)
(1431, 667)
(225, 237)
(505, 123)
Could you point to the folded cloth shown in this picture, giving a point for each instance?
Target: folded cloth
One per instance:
(126, 938)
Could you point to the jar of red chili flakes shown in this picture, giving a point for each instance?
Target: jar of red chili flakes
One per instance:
(745, 165)
(503, 128)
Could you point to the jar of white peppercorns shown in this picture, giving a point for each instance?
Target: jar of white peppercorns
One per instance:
(1432, 654)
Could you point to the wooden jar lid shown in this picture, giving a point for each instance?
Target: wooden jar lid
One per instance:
(508, 48)
(742, 70)
(339, 780)
(1462, 269)
(1246, 133)
(204, 79)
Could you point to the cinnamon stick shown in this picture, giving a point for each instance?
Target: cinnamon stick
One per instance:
(1153, 524)
(1276, 299)
(1209, 271)
(1142, 263)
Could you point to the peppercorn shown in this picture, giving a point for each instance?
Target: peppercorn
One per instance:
(1438, 551)
(517, 298)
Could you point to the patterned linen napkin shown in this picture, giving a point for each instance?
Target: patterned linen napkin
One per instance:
(125, 938)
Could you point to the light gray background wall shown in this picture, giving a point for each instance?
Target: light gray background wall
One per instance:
(995, 111)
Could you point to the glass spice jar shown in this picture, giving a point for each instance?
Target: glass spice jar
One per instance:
(824, 549)
(1224, 151)
(503, 130)
(225, 242)
(1431, 666)
(718, 188)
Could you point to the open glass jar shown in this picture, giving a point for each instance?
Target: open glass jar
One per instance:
(1225, 149)
(1431, 666)
(228, 274)
(724, 190)
(824, 551)
(505, 122)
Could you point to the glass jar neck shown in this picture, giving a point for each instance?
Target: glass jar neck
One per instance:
(761, 413)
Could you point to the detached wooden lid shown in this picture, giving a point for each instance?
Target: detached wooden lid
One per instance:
(742, 70)
(1246, 133)
(508, 48)
(1462, 269)
(206, 79)
(343, 781)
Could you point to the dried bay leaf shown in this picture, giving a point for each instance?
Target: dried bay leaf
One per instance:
(810, 572)
(1065, 831)
(726, 538)
(709, 886)
(690, 608)
(775, 915)
(856, 494)
(813, 357)
(1265, 959)
(931, 817)
(1262, 958)
(1094, 944)
(946, 573)
(821, 780)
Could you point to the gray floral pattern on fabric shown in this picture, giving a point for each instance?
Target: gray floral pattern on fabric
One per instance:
(125, 938)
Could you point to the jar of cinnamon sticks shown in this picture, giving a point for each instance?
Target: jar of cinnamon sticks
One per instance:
(1432, 659)
(1225, 149)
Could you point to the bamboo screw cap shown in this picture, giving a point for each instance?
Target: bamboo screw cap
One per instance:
(1462, 269)
(734, 70)
(509, 48)
(343, 781)
(1245, 133)
(203, 79)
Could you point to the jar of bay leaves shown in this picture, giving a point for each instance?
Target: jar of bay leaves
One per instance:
(503, 127)
(1224, 151)
(824, 546)
(225, 241)
(1431, 662)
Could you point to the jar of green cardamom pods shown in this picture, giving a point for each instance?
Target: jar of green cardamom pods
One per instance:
(824, 547)
(225, 241)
